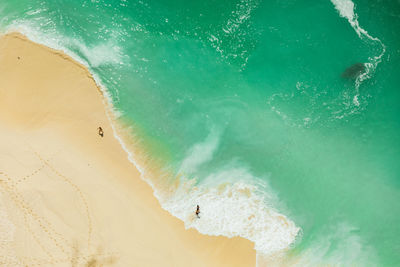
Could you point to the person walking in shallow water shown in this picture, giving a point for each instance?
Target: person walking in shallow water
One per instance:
(198, 211)
(101, 133)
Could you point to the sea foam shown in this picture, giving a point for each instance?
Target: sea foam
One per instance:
(232, 201)
(228, 42)
(346, 9)
(89, 56)
(232, 209)
(103, 53)
(232, 205)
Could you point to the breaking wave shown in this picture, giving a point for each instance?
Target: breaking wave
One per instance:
(232, 201)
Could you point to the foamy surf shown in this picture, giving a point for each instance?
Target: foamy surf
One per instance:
(110, 53)
(288, 118)
(232, 201)
(346, 9)
(229, 209)
(232, 209)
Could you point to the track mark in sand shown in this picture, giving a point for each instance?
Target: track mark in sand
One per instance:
(30, 175)
(26, 210)
(36, 238)
(23, 179)
(77, 189)
(9, 185)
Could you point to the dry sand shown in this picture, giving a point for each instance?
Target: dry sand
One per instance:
(69, 197)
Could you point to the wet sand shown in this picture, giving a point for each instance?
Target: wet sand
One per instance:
(69, 197)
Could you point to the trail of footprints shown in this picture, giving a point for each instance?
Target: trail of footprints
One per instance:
(23, 179)
(9, 185)
(76, 188)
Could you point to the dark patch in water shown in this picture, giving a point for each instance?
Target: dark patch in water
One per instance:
(354, 71)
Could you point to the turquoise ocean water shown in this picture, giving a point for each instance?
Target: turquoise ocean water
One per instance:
(243, 102)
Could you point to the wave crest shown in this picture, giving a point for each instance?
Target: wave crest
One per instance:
(232, 209)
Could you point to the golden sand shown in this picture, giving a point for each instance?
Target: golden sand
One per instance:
(69, 197)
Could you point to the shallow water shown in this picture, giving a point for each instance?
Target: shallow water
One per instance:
(244, 102)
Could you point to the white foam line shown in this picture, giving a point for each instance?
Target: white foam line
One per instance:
(346, 10)
(233, 209)
(47, 41)
(111, 112)
(272, 233)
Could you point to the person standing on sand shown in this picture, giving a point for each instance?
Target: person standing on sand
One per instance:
(198, 211)
(101, 133)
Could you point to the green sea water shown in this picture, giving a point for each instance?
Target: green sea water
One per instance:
(245, 102)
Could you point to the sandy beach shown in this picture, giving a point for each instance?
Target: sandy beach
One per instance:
(69, 197)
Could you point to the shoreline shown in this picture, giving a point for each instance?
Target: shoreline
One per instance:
(64, 144)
